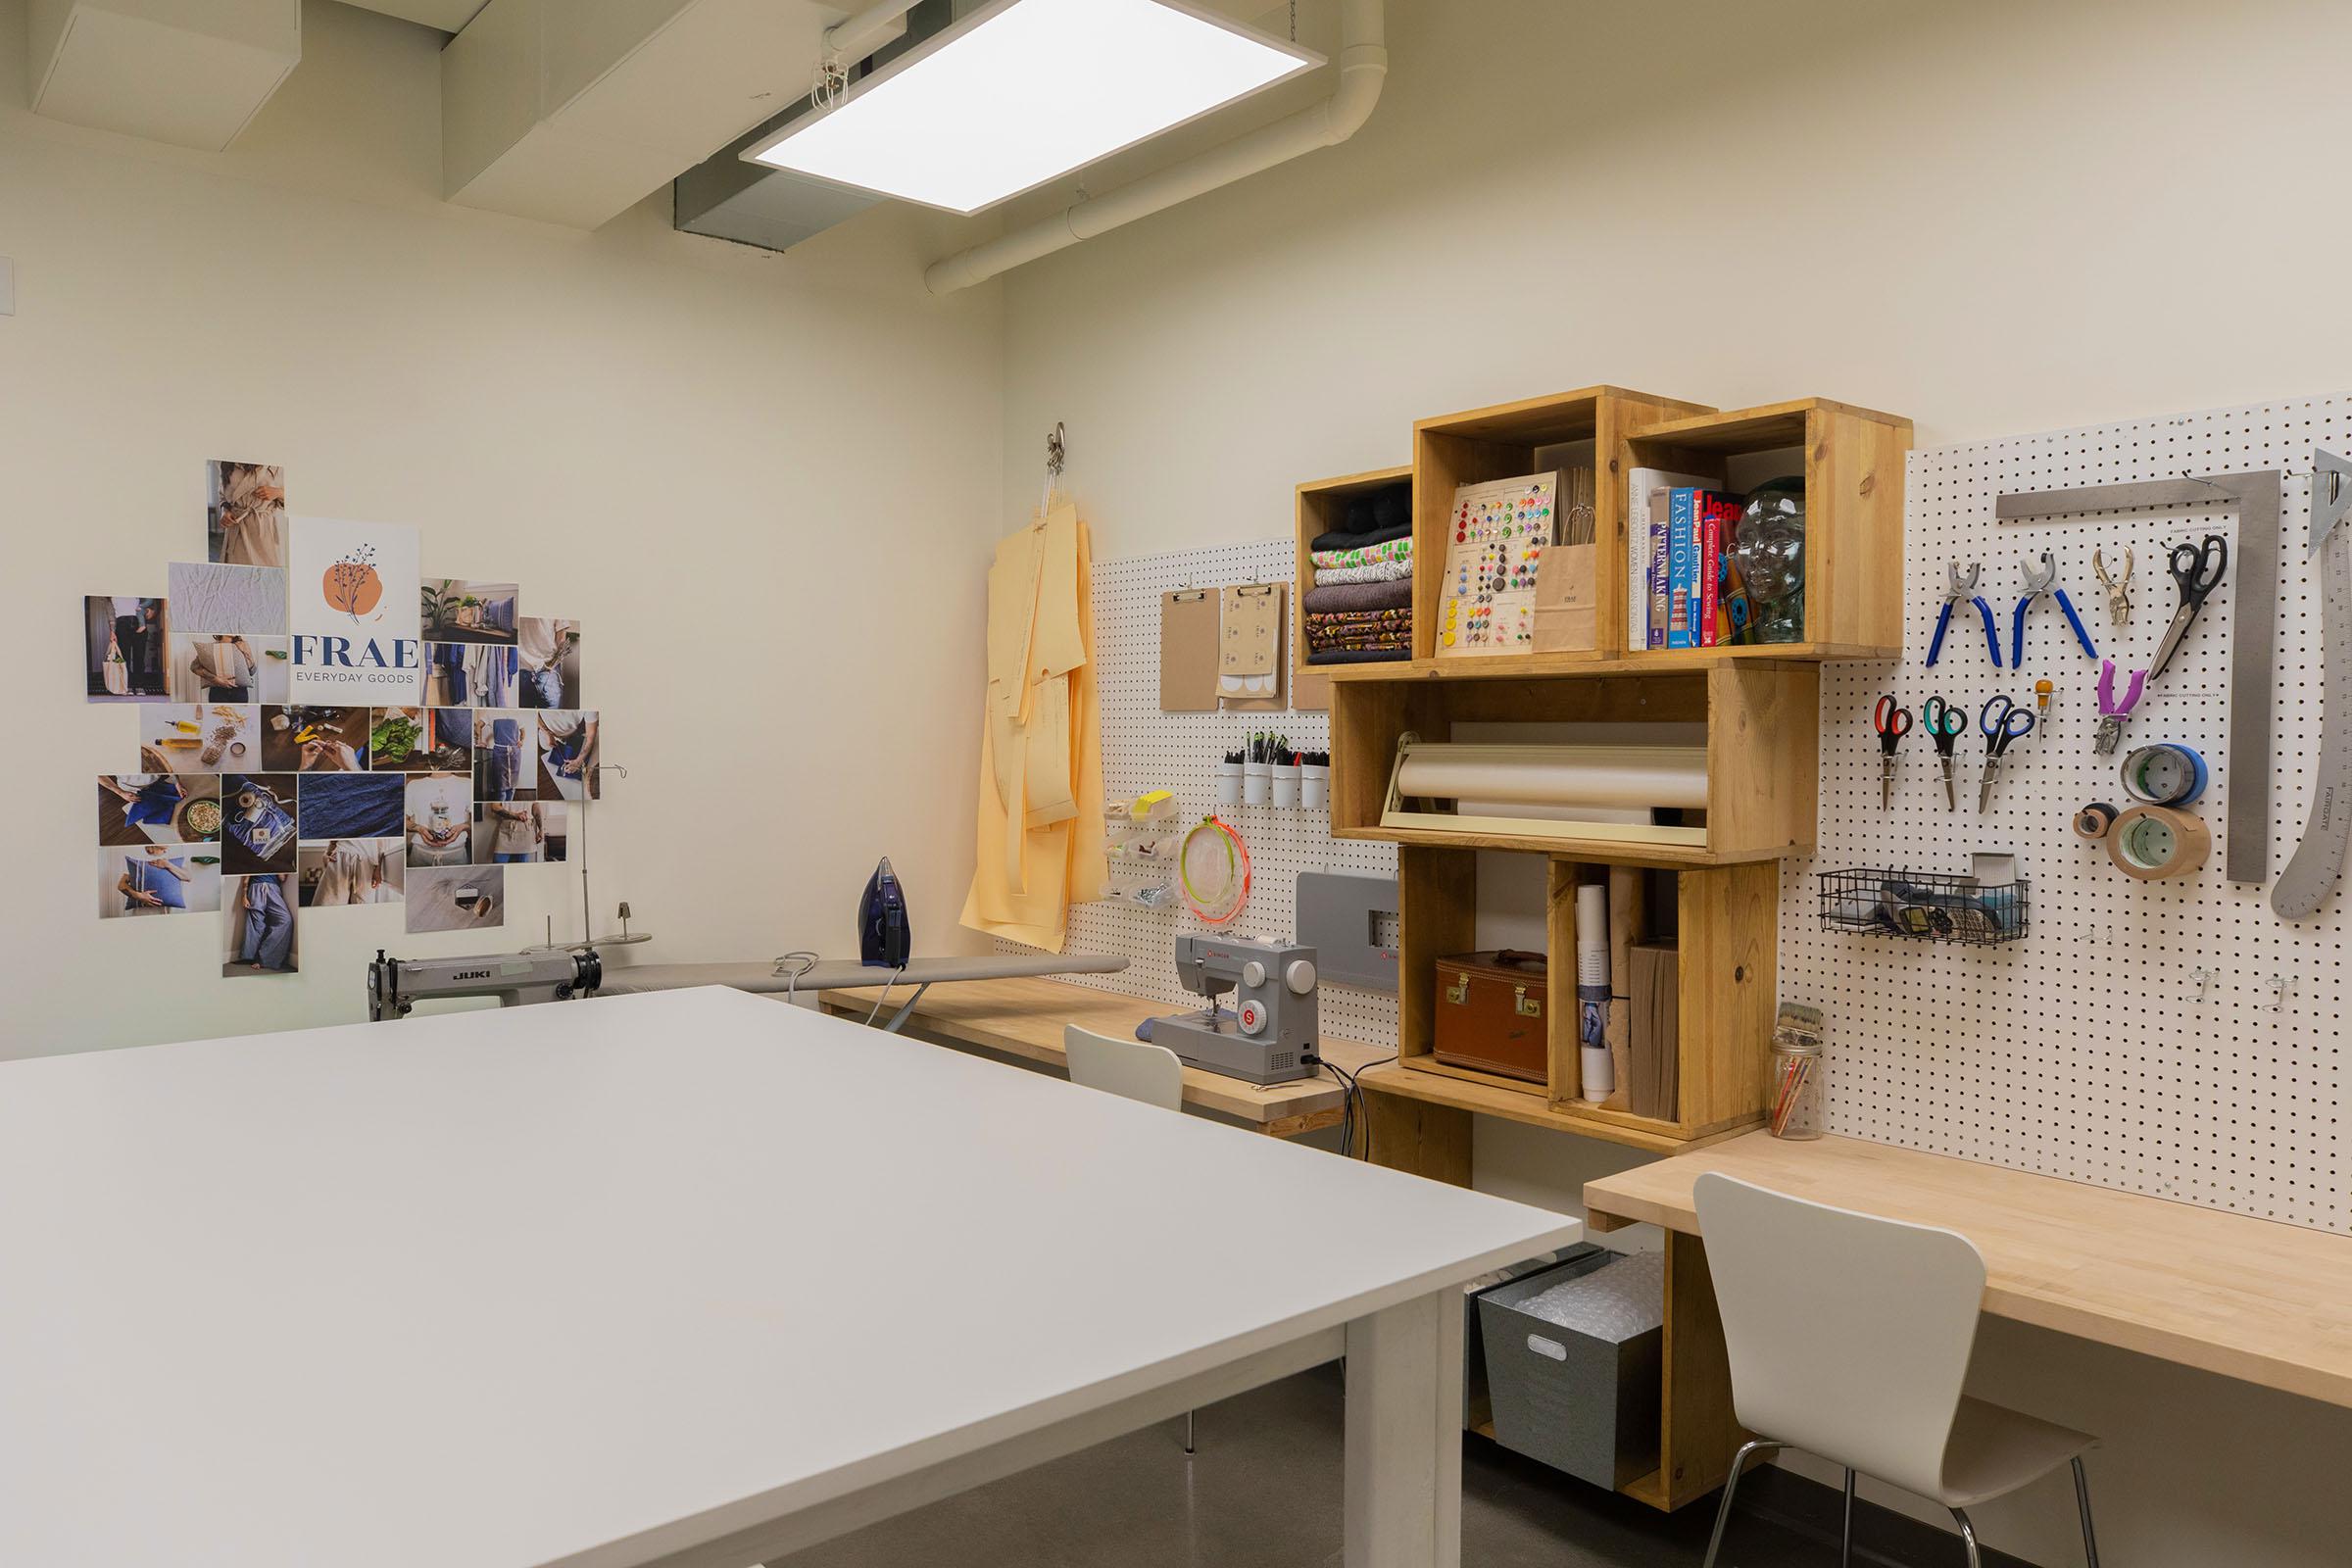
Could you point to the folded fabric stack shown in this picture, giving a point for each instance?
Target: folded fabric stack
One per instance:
(1359, 610)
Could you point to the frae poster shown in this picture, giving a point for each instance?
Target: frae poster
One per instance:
(354, 617)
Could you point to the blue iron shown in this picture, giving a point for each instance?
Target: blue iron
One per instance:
(883, 937)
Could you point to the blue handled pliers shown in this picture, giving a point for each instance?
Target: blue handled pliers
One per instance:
(1966, 588)
(2041, 586)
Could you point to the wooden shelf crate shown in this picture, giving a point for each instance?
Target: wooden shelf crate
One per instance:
(1763, 757)
(1321, 503)
(1724, 928)
(1852, 462)
(1501, 442)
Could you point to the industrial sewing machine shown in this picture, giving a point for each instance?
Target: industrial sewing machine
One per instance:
(1268, 1036)
(395, 985)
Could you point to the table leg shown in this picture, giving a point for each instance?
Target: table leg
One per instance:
(1404, 1436)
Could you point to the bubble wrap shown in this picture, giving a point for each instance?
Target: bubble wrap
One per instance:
(1612, 1303)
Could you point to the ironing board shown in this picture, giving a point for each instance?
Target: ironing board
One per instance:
(841, 973)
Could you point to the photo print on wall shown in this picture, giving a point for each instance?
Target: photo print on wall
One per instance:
(517, 832)
(346, 871)
(440, 820)
(549, 652)
(258, 925)
(257, 822)
(245, 514)
(350, 805)
(453, 610)
(205, 595)
(158, 880)
(159, 808)
(505, 756)
(125, 649)
(198, 738)
(567, 753)
(226, 668)
(462, 897)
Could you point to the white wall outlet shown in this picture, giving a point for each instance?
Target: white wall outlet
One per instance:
(8, 286)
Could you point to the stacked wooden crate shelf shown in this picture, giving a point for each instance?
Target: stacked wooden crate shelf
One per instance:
(1321, 505)
(1760, 708)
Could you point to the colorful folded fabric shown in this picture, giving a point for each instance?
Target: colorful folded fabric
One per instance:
(1379, 572)
(1396, 549)
(1397, 593)
(1359, 656)
(1342, 539)
(1360, 629)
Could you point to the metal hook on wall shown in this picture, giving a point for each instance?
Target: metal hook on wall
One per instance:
(1058, 453)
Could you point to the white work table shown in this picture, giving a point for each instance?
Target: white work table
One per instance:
(628, 1282)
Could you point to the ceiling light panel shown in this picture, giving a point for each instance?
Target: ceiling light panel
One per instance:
(1022, 91)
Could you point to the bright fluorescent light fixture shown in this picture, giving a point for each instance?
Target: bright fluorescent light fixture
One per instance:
(1020, 92)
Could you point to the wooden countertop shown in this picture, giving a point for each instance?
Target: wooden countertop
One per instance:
(1024, 1018)
(2249, 1298)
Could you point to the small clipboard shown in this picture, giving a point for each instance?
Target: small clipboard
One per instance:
(1188, 651)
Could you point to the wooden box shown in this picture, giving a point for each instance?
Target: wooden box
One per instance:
(1492, 1013)
(1321, 503)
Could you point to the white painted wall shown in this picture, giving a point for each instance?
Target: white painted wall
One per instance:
(1997, 217)
(767, 484)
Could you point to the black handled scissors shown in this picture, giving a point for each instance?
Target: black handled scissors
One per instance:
(1945, 723)
(2196, 571)
(2014, 723)
(1892, 724)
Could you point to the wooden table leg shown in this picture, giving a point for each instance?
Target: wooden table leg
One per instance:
(1404, 1466)
(1412, 1135)
(1698, 1433)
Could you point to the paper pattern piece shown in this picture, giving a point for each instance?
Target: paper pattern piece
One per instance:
(205, 597)
(1041, 834)
(353, 613)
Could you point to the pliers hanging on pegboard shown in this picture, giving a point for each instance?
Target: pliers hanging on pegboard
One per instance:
(2044, 585)
(1966, 588)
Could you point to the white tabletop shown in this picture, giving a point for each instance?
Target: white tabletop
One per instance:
(588, 1281)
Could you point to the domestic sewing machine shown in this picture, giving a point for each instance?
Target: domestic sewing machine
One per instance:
(395, 985)
(1268, 1036)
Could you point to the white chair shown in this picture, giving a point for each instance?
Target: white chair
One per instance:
(1134, 1071)
(1849, 1337)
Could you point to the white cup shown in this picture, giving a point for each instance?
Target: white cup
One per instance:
(1314, 786)
(1286, 784)
(1257, 782)
(1229, 783)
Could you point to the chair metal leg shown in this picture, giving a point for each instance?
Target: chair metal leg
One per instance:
(1723, 1512)
(1968, 1539)
(1845, 1537)
(1187, 1438)
(2090, 1540)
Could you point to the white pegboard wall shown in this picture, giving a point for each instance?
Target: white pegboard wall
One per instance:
(2173, 1037)
(1145, 749)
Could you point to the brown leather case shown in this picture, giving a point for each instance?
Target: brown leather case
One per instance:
(1491, 1014)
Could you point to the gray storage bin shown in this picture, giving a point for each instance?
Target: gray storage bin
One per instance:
(1476, 1410)
(1576, 1403)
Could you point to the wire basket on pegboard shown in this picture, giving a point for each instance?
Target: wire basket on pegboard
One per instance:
(1923, 905)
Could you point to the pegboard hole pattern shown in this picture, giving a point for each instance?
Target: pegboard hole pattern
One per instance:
(2175, 1038)
(1145, 749)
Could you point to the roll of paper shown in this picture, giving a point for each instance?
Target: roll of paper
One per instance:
(1597, 1075)
(1560, 775)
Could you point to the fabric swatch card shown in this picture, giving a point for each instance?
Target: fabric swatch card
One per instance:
(1249, 646)
(1188, 652)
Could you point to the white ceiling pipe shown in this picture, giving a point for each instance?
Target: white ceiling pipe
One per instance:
(1364, 67)
(874, 25)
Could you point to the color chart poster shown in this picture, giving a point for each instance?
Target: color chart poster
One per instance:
(356, 613)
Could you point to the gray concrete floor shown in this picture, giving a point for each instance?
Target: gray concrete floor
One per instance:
(1263, 1492)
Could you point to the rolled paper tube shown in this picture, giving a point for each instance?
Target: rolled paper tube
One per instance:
(1562, 775)
(2155, 842)
(1597, 1075)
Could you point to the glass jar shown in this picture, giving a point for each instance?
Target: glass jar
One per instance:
(1792, 1091)
(1768, 552)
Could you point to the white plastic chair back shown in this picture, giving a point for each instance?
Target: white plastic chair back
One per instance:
(1849, 1333)
(1150, 1073)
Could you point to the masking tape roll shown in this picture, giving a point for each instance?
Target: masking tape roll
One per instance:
(2093, 820)
(2155, 842)
(2164, 774)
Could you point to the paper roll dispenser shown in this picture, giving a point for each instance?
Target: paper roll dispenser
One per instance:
(1561, 791)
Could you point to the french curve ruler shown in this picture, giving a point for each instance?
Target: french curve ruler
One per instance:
(2319, 860)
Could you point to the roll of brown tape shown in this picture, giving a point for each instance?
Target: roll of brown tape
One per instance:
(2093, 820)
(2155, 842)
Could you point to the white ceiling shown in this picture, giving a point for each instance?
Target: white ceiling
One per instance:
(449, 15)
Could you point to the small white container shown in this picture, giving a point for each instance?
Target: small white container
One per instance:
(1229, 783)
(1286, 785)
(1257, 782)
(1314, 786)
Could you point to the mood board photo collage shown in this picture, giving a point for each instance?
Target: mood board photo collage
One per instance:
(249, 806)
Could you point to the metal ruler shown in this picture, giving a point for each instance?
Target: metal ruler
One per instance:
(2319, 860)
(2253, 628)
